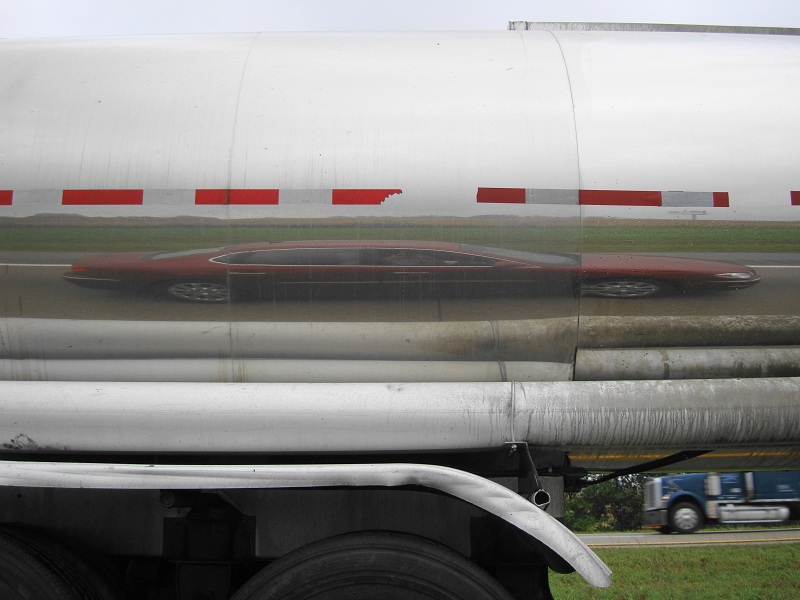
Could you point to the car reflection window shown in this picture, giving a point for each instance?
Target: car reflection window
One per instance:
(554, 259)
(238, 258)
(471, 256)
(402, 257)
(415, 257)
(456, 259)
(298, 257)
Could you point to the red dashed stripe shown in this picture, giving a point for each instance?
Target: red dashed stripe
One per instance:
(602, 197)
(361, 197)
(374, 197)
(96, 197)
(236, 197)
(222, 197)
(618, 198)
(721, 200)
(502, 195)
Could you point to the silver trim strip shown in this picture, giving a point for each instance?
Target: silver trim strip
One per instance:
(647, 27)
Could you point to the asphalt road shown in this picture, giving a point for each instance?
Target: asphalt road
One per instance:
(701, 538)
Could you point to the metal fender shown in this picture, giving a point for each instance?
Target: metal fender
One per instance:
(486, 495)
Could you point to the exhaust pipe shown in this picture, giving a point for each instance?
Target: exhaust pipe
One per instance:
(540, 498)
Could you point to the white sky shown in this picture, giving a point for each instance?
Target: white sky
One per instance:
(46, 18)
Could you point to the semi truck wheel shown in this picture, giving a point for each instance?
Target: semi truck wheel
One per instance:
(23, 575)
(365, 566)
(685, 517)
(44, 568)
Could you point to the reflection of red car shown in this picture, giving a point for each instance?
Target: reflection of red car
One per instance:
(356, 267)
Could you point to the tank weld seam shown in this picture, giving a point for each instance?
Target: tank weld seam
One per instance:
(512, 416)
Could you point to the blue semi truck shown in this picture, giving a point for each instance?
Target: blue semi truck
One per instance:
(684, 503)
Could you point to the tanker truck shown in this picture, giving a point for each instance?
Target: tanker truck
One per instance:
(293, 315)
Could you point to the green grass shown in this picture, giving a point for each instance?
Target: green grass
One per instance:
(698, 237)
(80, 234)
(702, 572)
(144, 238)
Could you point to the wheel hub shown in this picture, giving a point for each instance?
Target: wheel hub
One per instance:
(200, 292)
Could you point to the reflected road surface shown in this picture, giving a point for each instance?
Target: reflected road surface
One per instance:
(31, 286)
(705, 537)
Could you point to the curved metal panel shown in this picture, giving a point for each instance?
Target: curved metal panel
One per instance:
(280, 370)
(686, 145)
(686, 363)
(393, 197)
(534, 340)
(702, 413)
(120, 113)
(169, 170)
(626, 418)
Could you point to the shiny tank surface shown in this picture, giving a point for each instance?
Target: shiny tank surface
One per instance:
(629, 161)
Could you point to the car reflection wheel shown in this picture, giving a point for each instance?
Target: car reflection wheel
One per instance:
(622, 288)
(195, 291)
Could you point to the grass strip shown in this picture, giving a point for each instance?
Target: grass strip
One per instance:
(767, 571)
(593, 238)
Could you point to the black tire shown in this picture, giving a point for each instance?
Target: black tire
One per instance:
(686, 517)
(24, 575)
(80, 575)
(208, 292)
(623, 288)
(366, 566)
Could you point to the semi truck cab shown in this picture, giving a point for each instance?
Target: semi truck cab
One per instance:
(685, 503)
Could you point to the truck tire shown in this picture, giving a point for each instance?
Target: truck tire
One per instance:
(24, 575)
(76, 573)
(664, 529)
(685, 517)
(364, 566)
